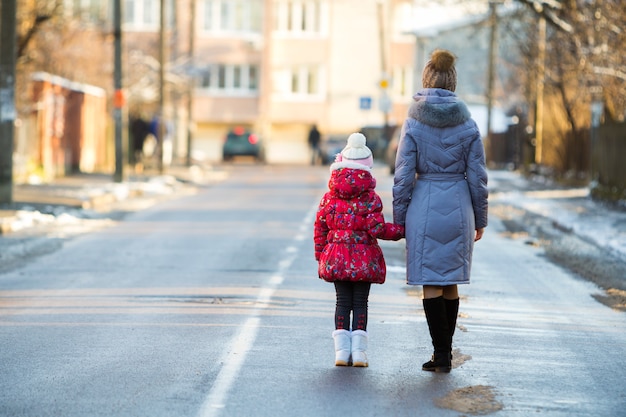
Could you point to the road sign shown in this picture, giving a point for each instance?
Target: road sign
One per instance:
(365, 103)
(384, 103)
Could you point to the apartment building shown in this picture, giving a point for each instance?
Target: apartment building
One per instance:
(277, 67)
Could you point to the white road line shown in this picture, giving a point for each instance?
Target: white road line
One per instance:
(236, 355)
(233, 361)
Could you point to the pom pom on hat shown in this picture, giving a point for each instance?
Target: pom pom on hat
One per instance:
(439, 72)
(357, 151)
(357, 140)
(442, 60)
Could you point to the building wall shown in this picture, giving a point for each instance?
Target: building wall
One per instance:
(344, 56)
(71, 121)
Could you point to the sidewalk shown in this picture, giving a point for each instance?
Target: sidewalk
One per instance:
(94, 193)
(570, 209)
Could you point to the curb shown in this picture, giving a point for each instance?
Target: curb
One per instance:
(10, 218)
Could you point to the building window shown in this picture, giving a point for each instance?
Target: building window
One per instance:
(229, 79)
(298, 17)
(141, 14)
(237, 77)
(145, 15)
(312, 83)
(86, 10)
(221, 77)
(253, 81)
(231, 16)
(298, 82)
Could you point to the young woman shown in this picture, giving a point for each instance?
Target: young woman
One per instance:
(440, 196)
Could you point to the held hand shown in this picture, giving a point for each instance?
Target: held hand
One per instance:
(479, 234)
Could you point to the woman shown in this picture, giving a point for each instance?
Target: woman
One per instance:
(440, 196)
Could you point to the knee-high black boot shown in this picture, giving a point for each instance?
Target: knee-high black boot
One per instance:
(452, 312)
(437, 319)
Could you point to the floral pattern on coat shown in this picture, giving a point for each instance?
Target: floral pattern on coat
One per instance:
(348, 223)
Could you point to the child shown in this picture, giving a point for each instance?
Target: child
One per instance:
(348, 222)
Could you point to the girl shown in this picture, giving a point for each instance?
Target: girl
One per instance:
(348, 222)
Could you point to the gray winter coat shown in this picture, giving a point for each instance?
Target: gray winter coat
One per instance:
(440, 188)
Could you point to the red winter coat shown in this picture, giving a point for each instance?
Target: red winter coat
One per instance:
(348, 222)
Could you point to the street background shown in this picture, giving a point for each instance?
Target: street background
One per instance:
(201, 299)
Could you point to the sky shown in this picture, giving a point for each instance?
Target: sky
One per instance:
(433, 13)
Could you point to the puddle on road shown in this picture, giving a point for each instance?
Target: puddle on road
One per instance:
(205, 300)
(475, 400)
(459, 358)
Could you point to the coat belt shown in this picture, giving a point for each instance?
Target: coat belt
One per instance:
(442, 176)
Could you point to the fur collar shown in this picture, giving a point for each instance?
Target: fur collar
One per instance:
(438, 108)
(348, 164)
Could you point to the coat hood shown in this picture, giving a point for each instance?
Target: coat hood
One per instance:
(438, 108)
(348, 182)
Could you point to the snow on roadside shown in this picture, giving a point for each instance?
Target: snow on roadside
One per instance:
(71, 220)
(571, 209)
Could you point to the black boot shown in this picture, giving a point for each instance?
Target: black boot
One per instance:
(437, 319)
(452, 311)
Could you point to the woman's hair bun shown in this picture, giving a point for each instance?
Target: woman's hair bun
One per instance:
(442, 60)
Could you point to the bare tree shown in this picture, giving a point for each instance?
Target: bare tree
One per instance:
(59, 41)
(593, 33)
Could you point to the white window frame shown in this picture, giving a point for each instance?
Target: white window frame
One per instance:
(221, 80)
(84, 9)
(145, 15)
(293, 84)
(300, 18)
(239, 18)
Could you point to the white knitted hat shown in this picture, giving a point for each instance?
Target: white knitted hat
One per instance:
(356, 150)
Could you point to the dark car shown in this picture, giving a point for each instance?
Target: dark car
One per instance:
(378, 137)
(330, 146)
(240, 141)
(392, 150)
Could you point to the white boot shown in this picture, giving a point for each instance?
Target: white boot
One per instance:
(342, 347)
(359, 348)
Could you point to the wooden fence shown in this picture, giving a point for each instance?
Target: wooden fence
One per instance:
(608, 165)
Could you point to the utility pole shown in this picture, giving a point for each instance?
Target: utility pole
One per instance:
(192, 35)
(161, 115)
(118, 101)
(264, 122)
(541, 73)
(7, 97)
(385, 100)
(493, 31)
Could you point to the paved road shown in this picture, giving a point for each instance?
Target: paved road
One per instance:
(208, 305)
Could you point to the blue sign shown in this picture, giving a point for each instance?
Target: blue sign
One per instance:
(365, 103)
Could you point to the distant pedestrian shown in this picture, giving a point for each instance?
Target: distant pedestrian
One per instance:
(162, 130)
(140, 129)
(348, 223)
(444, 210)
(314, 144)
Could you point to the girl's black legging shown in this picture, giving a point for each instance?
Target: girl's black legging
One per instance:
(351, 297)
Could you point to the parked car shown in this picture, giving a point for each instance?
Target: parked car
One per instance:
(377, 138)
(330, 146)
(240, 141)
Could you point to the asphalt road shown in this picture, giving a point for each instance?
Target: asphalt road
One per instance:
(209, 305)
